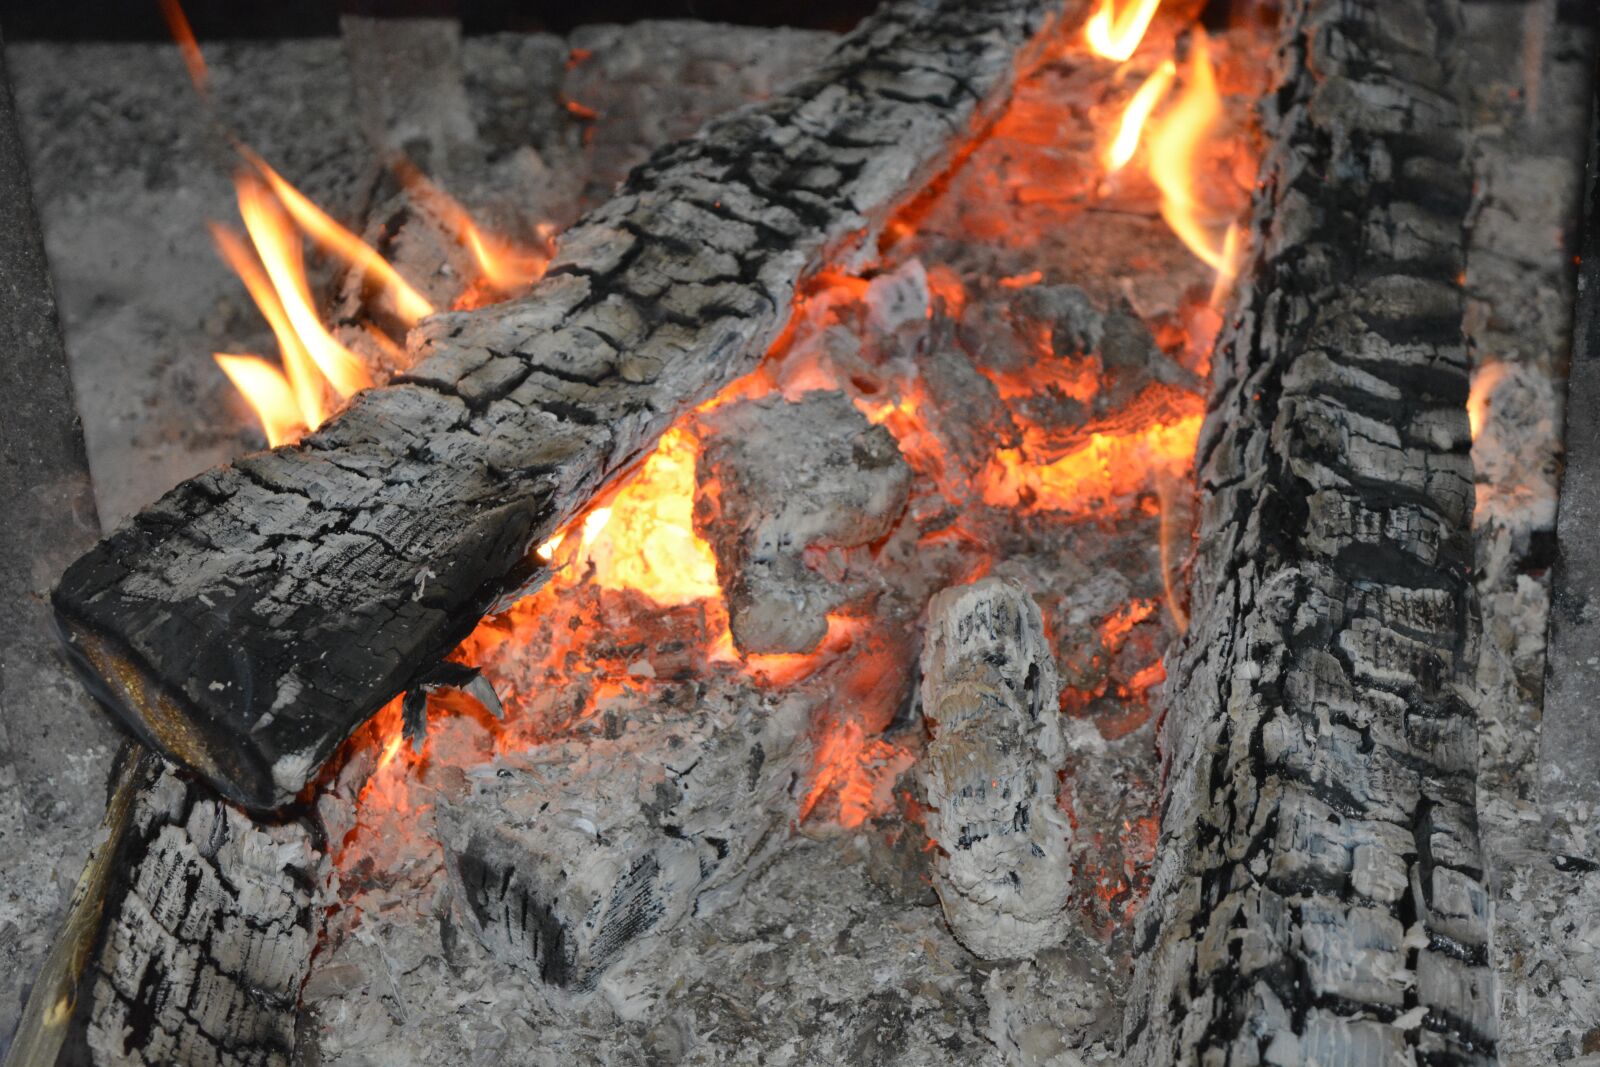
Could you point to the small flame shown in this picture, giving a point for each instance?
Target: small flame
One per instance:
(503, 268)
(1175, 144)
(188, 47)
(355, 253)
(1137, 113)
(278, 245)
(1117, 37)
(1485, 379)
(268, 392)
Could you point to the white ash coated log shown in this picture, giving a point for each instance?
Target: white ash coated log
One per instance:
(249, 620)
(566, 858)
(1318, 894)
(189, 934)
(791, 477)
(990, 773)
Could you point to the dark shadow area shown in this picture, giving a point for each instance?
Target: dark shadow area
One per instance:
(140, 20)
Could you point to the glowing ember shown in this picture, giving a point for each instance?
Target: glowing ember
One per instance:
(1137, 113)
(645, 540)
(1117, 36)
(1095, 478)
(1176, 142)
(861, 769)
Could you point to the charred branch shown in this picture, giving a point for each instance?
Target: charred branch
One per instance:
(248, 621)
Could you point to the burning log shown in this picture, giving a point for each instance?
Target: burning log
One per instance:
(1318, 895)
(248, 621)
(989, 696)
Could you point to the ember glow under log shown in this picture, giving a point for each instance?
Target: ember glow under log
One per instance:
(247, 622)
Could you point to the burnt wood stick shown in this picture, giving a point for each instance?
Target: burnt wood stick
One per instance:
(1318, 895)
(248, 621)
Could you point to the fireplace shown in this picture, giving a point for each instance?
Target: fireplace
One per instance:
(1019, 533)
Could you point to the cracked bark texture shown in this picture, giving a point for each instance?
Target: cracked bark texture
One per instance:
(251, 618)
(191, 930)
(1318, 896)
(990, 698)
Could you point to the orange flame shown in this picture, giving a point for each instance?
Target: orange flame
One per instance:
(1485, 379)
(503, 267)
(1137, 113)
(188, 47)
(1175, 143)
(278, 245)
(1117, 37)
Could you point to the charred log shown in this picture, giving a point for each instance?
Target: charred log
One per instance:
(189, 934)
(989, 696)
(248, 621)
(1319, 892)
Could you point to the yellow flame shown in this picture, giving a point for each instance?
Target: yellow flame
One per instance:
(1175, 142)
(268, 393)
(278, 245)
(409, 304)
(1137, 113)
(303, 378)
(1117, 37)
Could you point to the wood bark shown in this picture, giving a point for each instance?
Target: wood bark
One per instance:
(1318, 895)
(248, 621)
(189, 934)
(989, 697)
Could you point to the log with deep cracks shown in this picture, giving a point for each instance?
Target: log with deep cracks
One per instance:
(1318, 895)
(247, 622)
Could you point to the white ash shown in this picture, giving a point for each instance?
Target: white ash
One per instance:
(565, 857)
(1519, 70)
(792, 479)
(989, 697)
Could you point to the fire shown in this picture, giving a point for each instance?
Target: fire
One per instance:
(862, 769)
(1175, 143)
(1485, 379)
(502, 267)
(1137, 113)
(1111, 466)
(355, 253)
(188, 47)
(292, 401)
(263, 385)
(1117, 37)
(644, 539)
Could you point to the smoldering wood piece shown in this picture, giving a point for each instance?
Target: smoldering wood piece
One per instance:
(989, 776)
(192, 929)
(249, 620)
(793, 478)
(564, 858)
(1318, 893)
